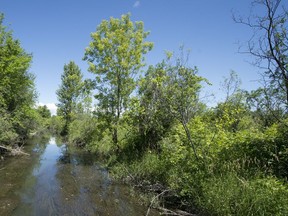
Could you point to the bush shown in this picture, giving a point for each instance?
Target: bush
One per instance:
(231, 195)
(82, 131)
(101, 142)
(56, 124)
(264, 151)
(7, 133)
(149, 168)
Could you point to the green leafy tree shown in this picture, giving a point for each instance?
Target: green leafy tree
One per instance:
(44, 111)
(182, 88)
(115, 55)
(69, 93)
(152, 116)
(16, 83)
(230, 112)
(17, 90)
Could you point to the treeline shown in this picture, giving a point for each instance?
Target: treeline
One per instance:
(153, 128)
(155, 131)
(19, 116)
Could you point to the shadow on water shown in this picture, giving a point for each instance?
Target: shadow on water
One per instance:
(59, 180)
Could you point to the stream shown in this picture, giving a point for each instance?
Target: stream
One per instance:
(59, 180)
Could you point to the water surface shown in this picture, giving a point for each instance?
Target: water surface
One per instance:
(58, 180)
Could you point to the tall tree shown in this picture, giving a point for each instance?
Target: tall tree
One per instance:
(115, 55)
(182, 88)
(69, 93)
(269, 44)
(17, 88)
(16, 83)
(152, 115)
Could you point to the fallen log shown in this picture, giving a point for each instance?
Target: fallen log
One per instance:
(166, 211)
(13, 151)
(175, 212)
(153, 200)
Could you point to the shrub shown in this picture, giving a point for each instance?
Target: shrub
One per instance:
(7, 132)
(229, 194)
(101, 142)
(265, 151)
(82, 131)
(149, 168)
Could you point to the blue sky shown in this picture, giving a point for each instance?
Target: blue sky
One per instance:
(56, 32)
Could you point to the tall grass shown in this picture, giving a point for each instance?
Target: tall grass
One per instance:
(230, 194)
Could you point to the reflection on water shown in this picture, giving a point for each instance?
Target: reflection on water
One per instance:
(57, 180)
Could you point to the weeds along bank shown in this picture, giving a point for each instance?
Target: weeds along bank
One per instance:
(156, 132)
(152, 126)
(154, 129)
(240, 172)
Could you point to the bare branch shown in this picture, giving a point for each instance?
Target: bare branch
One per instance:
(269, 42)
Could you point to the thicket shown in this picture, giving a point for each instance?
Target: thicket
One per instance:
(231, 159)
(18, 116)
(153, 129)
(240, 169)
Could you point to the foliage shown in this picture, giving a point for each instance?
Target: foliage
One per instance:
(230, 194)
(82, 130)
(169, 92)
(181, 94)
(44, 111)
(150, 169)
(267, 107)
(17, 92)
(229, 115)
(69, 93)
(16, 83)
(230, 159)
(267, 151)
(56, 125)
(7, 132)
(149, 113)
(115, 56)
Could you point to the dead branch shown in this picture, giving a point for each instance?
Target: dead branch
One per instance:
(153, 200)
(175, 213)
(13, 151)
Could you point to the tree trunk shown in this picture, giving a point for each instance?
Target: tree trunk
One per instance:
(115, 136)
(188, 134)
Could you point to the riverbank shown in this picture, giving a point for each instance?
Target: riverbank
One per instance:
(230, 183)
(147, 176)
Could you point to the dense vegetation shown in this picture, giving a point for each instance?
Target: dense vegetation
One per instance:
(153, 128)
(231, 159)
(19, 117)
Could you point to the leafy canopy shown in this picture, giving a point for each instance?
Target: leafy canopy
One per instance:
(69, 92)
(115, 55)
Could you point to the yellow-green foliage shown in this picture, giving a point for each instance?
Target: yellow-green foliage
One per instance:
(149, 168)
(221, 180)
(227, 160)
(102, 144)
(56, 124)
(82, 130)
(230, 194)
(7, 133)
